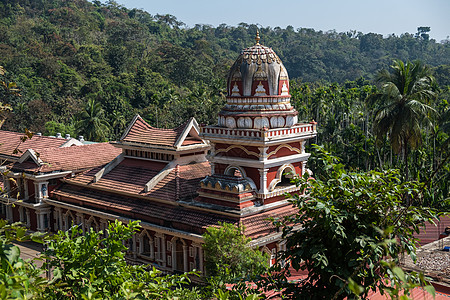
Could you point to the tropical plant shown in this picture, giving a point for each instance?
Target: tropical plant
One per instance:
(230, 259)
(92, 123)
(93, 266)
(402, 106)
(349, 234)
(226, 246)
(19, 279)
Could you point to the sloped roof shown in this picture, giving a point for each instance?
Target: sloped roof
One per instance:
(128, 205)
(70, 158)
(131, 176)
(141, 132)
(431, 231)
(9, 141)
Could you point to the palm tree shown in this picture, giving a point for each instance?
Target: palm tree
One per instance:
(92, 123)
(118, 122)
(401, 106)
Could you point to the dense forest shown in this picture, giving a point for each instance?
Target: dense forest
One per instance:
(62, 54)
(85, 68)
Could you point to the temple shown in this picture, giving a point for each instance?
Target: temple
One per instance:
(177, 182)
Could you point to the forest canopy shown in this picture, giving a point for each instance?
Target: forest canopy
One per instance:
(63, 54)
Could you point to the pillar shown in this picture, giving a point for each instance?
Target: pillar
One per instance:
(25, 188)
(200, 254)
(263, 181)
(41, 191)
(263, 153)
(185, 258)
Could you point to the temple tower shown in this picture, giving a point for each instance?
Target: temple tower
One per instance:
(258, 144)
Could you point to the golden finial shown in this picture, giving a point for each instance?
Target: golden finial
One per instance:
(257, 38)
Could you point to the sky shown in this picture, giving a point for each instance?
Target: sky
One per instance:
(380, 16)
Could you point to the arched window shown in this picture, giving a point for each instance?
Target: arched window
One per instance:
(235, 172)
(283, 178)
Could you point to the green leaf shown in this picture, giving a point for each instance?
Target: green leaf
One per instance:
(430, 289)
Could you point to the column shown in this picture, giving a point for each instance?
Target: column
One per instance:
(263, 153)
(27, 213)
(152, 249)
(163, 247)
(25, 188)
(7, 185)
(80, 220)
(9, 213)
(41, 191)
(185, 258)
(40, 220)
(263, 181)
(200, 254)
(59, 224)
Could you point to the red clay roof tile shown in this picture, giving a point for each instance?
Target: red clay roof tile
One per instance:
(93, 198)
(142, 132)
(11, 140)
(71, 158)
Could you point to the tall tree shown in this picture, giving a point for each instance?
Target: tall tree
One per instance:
(349, 234)
(92, 123)
(402, 105)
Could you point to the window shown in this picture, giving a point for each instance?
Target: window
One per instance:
(146, 247)
(191, 251)
(45, 221)
(169, 246)
(169, 261)
(158, 249)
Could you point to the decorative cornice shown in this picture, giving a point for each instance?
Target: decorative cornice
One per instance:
(239, 147)
(285, 146)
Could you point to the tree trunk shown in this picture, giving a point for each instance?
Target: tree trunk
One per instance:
(405, 144)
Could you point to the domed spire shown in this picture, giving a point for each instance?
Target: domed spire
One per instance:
(257, 38)
(258, 91)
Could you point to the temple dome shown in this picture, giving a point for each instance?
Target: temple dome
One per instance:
(258, 71)
(258, 92)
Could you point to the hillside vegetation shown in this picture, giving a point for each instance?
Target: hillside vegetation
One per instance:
(63, 53)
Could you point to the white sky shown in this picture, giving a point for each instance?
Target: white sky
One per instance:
(380, 16)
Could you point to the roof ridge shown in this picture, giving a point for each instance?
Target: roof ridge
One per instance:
(34, 135)
(177, 182)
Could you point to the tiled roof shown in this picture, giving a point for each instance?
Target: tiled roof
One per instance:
(131, 176)
(141, 132)
(128, 205)
(416, 294)
(431, 232)
(190, 176)
(71, 158)
(11, 140)
(259, 224)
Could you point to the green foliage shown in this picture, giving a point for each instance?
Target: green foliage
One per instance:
(64, 54)
(92, 123)
(19, 279)
(350, 232)
(92, 266)
(53, 127)
(89, 266)
(229, 256)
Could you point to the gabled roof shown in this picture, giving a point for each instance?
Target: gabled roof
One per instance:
(140, 132)
(67, 158)
(9, 141)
